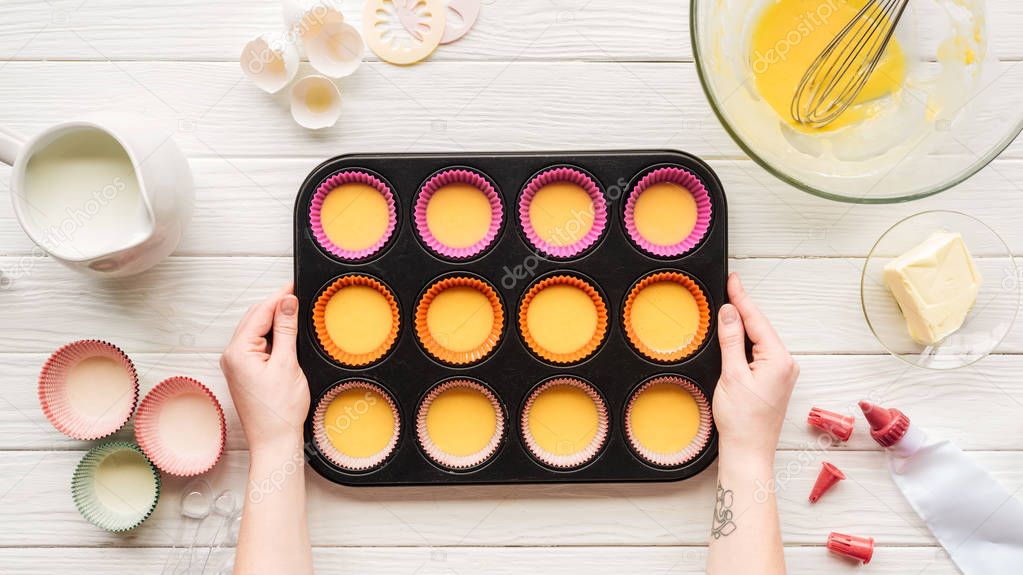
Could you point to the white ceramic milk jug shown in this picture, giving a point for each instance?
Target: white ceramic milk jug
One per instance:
(107, 195)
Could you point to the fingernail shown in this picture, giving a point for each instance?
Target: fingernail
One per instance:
(290, 305)
(728, 314)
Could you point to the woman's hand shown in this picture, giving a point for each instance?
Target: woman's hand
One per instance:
(751, 398)
(267, 385)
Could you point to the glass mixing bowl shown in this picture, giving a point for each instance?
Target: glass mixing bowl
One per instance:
(960, 107)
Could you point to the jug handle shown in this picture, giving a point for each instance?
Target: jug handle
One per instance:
(10, 145)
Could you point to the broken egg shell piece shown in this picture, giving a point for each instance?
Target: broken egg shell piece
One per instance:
(270, 61)
(315, 102)
(335, 50)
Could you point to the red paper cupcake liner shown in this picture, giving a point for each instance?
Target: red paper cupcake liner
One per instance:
(343, 460)
(695, 447)
(586, 454)
(147, 429)
(563, 175)
(458, 176)
(690, 182)
(56, 405)
(458, 462)
(332, 183)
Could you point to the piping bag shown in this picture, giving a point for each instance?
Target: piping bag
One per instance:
(976, 520)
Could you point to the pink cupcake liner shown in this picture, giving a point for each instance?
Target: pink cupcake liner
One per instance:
(695, 446)
(560, 175)
(458, 176)
(687, 180)
(342, 460)
(335, 181)
(458, 462)
(149, 436)
(56, 404)
(581, 457)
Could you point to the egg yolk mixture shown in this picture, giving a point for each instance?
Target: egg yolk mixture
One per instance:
(665, 214)
(459, 215)
(358, 319)
(461, 421)
(563, 420)
(354, 216)
(359, 422)
(664, 418)
(789, 36)
(562, 318)
(460, 318)
(561, 213)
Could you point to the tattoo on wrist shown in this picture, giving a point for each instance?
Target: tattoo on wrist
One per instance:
(723, 523)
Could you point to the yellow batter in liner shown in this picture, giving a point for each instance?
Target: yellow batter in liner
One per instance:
(666, 316)
(356, 320)
(360, 422)
(789, 36)
(563, 319)
(461, 422)
(355, 216)
(665, 214)
(561, 213)
(664, 418)
(563, 420)
(459, 215)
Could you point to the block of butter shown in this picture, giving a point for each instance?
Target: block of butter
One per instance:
(936, 285)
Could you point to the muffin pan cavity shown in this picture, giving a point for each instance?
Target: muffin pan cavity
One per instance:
(510, 318)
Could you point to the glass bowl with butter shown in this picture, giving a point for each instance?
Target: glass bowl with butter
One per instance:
(940, 290)
(944, 102)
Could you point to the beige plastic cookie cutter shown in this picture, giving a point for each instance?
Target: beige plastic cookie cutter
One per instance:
(461, 17)
(403, 31)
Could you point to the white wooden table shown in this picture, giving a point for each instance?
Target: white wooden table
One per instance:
(533, 74)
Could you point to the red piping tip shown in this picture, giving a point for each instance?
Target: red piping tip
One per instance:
(851, 546)
(887, 425)
(828, 477)
(837, 425)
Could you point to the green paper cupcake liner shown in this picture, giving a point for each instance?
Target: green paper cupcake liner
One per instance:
(89, 496)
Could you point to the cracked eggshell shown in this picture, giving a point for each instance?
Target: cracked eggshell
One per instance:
(315, 102)
(334, 49)
(270, 61)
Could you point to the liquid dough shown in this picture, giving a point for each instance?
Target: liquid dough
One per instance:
(98, 386)
(124, 483)
(562, 319)
(563, 420)
(461, 421)
(355, 216)
(664, 418)
(665, 316)
(358, 319)
(459, 215)
(791, 34)
(665, 214)
(561, 213)
(359, 422)
(460, 318)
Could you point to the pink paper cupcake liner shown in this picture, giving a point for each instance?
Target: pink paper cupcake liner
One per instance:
(458, 176)
(343, 460)
(335, 181)
(149, 435)
(690, 182)
(695, 446)
(563, 175)
(459, 462)
(586, 454)
(56, 404)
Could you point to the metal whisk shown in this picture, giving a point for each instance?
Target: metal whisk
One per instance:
(838, 75)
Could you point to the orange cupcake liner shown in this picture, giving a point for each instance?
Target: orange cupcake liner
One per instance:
(53, 394)
(703, 326)
(320, 321)
(589, 451)
(334, 455)
(148, 433)
(438, 455)
(581, 353)
(695, 447)
(437, 349)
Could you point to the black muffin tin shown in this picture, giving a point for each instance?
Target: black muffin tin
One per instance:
(511, 265)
